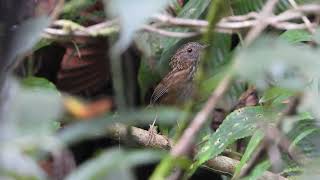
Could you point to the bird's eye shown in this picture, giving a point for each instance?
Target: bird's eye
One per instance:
(189, 50)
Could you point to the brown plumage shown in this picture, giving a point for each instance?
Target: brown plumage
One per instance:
(177, 86)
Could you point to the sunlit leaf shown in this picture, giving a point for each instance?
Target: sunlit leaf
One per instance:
(37, 83)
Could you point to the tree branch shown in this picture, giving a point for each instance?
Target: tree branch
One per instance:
(220, 164)
(229, 24)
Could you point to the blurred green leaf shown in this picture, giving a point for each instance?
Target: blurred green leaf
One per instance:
(296, 36)
(305, 135)
(253, 144)
(239, 124)
(35, 83)
(75, 6)
(114, 164)
(16, 165)
(208, 85)
(132, 16)
(310, 171)
(31, 113)
(276, 62)
(26, 35)
(98, 127)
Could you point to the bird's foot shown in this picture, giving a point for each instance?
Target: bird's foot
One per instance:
(152, 133)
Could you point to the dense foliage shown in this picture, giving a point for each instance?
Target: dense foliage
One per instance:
(265, 83)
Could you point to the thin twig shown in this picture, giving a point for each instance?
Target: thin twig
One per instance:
(180, 21)
(266, 12)
(190, 133)
(170, 33)
(304, 18)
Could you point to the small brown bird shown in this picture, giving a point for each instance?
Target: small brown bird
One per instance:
(177, 86)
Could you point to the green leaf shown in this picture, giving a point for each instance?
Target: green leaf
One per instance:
(146, 77)
(75, 6)
(305, 135)
(258, 171)
(35, 83)
(42, 43)
(239, 124)
(114, 163)
(253, 144)
(296, 36)
(276, 95)
(301, 136)
(246, 6)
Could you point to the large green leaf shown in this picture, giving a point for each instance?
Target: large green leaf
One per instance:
(246, 6)
(239, 124)
(114, 164)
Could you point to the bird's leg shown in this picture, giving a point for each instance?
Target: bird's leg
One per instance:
(152, 130)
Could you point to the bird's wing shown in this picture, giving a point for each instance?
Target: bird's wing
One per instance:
(158, 92)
